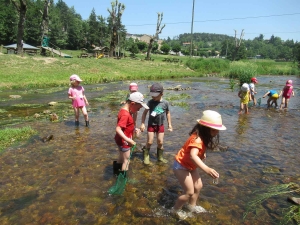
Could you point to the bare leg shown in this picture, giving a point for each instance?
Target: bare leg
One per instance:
(241, 108)
(160, 140)
(124, 158)
(76, 112)
(85, 114)
(150, 137)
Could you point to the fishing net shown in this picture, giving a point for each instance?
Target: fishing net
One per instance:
(259, 101)
(120, 184)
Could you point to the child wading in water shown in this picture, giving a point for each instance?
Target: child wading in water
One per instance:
(252, 90)
(273, 96)
(190, 157)
(286, 93)
(245, 97)
(158, 109)
(79, 101)
(125, 130)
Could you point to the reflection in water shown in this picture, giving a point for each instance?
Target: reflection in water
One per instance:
(65, 180)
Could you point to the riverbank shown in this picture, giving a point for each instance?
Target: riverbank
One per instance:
(42, 72)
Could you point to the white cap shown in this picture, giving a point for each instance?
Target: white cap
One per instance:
(138, 98)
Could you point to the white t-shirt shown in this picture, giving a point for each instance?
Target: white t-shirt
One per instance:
(252, 86)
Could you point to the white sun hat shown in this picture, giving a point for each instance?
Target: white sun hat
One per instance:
(212, 119)
(245, 87)
(138, 98)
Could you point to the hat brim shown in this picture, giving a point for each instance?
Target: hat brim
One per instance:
(155, 94)
(144, 105)
(289, 85)
(213, 126)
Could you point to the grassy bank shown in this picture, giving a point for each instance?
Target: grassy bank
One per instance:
(11, 136)
(40, 72)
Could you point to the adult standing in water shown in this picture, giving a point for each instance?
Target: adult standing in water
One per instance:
(190, 157)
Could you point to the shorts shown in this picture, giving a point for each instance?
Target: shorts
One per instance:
(178, 166)
(123, 149)
(156, 128)
(275, 96)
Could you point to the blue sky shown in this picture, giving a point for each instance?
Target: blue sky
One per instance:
(278, 17)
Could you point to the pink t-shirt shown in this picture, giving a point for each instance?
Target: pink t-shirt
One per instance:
(125, 121)
(287, 91)
(77, 92)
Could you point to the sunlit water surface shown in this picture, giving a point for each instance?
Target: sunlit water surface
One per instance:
(65, 180)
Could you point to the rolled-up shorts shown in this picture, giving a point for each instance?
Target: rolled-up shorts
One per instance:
(122, 149)
(156, 128)
(178, 166)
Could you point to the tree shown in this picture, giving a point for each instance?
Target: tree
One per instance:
(8, 22)
(237, 45)
(155, 37)
(93, 34)
(134, 49)
(21, 8)
(115, 24)
(176, 48)
(165, 48)
(141, 45)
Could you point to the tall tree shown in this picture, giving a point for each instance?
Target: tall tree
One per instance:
(115, 24)
(21, 7)
(237, 44)
(8, 22)
(155, 37)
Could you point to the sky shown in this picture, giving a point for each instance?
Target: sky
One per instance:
(268, 17)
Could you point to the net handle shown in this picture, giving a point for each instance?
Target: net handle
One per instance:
(131, 151)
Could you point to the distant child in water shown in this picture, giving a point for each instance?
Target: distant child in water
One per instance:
(252, 89)
(133, 87)
(79, 101)
(273, 96)
(286, 93)
(191, 157)
(244, 95)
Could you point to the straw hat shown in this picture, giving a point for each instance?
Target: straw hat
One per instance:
(212, 119)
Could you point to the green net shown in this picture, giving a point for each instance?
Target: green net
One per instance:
(120, 185)
(259, 101)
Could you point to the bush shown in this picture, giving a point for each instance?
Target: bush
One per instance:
(207, 65)
(243, 71)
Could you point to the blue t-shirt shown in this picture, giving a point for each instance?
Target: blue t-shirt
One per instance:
(272, 92)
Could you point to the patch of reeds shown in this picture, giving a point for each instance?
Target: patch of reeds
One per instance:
(10, 136)
(242, 71)
(208, 66)
(289, 214)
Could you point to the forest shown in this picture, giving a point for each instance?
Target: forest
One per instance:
(67, 30)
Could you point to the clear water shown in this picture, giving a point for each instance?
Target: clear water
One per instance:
(65, 180)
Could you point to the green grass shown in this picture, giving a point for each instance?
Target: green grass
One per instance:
(34, 72)
(10, 136)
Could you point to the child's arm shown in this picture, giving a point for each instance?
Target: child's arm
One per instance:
(250, 98)
(143, 120)
(124, 137)
(266, 94)
(195, 158)
(170, 128)
(85, 100)
(239, 94)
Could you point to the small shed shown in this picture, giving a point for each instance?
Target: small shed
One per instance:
(101, 51)
(12, 49)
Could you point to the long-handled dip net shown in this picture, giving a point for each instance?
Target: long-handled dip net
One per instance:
(120, 185)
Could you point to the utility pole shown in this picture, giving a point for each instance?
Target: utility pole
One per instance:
(191, 50)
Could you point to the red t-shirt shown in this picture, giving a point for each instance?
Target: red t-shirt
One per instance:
(184, 154)
(125, 121)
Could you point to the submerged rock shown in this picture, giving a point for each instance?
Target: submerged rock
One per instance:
(52, 103)
(15, 96)
(47, 138)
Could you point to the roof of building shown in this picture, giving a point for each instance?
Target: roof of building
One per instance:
(25, 46)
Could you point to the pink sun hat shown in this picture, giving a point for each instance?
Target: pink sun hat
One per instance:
(75, 77)
(289, 83)
(133, 87)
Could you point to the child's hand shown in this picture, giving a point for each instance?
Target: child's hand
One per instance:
(142, 128)
(170, 128)
(211, 172)
(131, 143)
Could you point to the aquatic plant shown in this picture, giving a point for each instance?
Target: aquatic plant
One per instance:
(290, 214)
(10, 136)
(231, 84)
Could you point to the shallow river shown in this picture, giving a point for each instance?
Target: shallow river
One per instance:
(65, 180)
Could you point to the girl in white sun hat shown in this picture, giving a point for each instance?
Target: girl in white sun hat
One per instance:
(190, 157)
(245, 96)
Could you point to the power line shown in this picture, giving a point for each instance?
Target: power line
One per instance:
(238, 18)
